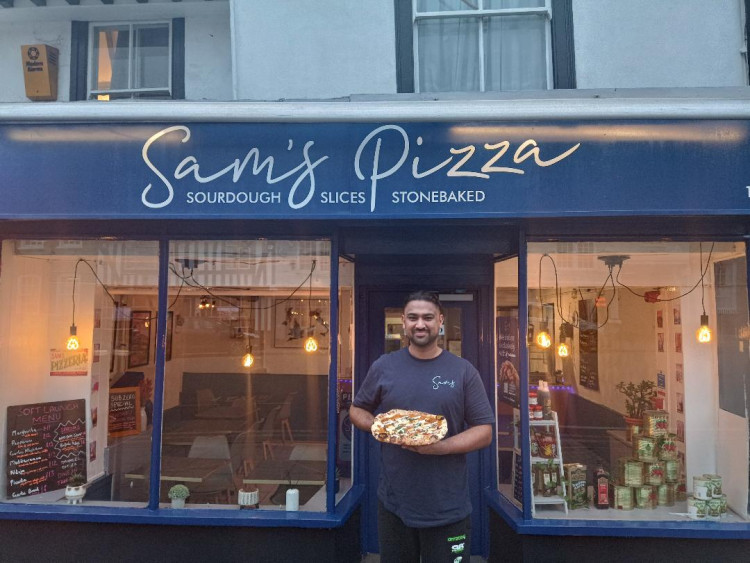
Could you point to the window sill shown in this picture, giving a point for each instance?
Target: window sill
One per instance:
(189, 516)
(616, 528)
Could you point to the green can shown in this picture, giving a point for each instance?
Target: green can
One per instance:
(696, 508)
(653, 473)
(671, 471)
(645, 496)
(668, 447)
(623, 497)
(723, 500)
(666, 494)
(715, 484)
(644, 448)
(713, 509)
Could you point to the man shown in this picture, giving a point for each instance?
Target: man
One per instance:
(424, 506)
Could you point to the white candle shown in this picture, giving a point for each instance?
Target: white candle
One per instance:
(292, 499)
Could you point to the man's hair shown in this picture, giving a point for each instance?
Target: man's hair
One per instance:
(421, 295)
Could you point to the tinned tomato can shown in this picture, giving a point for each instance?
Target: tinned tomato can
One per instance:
(696, 508)
(623, 497)
(671, 471)
(716, 491)
(644, 448)
(645, 496)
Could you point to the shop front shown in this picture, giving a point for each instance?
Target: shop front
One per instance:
(192, 298)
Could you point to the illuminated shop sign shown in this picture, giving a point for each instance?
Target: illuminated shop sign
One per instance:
(359, 170)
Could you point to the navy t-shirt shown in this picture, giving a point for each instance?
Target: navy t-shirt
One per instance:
(425, 490)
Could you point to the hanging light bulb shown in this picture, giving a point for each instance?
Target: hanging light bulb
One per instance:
(566, 331)
(248, 359)
(203, 304)
(72, 343)
(543, 338)
(703, 334)
(311, 345)
(563, 350)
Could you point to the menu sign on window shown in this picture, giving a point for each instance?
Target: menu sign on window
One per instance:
(507, 357)
(46, 446)
(124, 411)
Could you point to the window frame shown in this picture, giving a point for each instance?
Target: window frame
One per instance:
(559, 41)
(81, 49)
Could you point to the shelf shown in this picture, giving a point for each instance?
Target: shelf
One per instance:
(554, 499)
(554, 460)
(543, 422)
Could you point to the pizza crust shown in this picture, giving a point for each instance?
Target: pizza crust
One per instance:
(409, 428)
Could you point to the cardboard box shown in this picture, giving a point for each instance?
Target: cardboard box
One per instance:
(40, 65)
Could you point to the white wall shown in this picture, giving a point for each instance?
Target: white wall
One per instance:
(208, 64)
(642, 43)
(12, 36)
(322, 49)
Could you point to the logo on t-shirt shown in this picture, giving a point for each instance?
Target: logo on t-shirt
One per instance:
(438, 382)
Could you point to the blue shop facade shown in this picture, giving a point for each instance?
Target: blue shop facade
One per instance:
(192, 301)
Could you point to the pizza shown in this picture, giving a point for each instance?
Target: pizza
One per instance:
(409, 428)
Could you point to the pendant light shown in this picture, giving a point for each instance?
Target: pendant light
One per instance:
(703, 334)
(72, 343)
(311, 344)
(248, 359)
(543, 339)
(566, 331)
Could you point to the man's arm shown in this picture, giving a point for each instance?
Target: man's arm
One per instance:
(474, 438)
(361, 418)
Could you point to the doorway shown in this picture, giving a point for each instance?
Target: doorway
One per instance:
(466, 332)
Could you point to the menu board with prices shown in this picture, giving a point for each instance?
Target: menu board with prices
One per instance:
(46, 446)
(124, 411)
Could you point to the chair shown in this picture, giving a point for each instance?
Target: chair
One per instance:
(284, 414)
(221, 482)
(245, 450)
(267, 429)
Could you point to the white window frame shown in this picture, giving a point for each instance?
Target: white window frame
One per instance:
(480, 14)
(94, 27)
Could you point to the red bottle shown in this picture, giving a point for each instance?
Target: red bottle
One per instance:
(601, 488)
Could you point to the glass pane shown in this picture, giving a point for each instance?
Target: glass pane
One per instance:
(510, 4)
(110, 58)
(641, 401)
(344, 460)
(76, 406)
(515, 53)
(507, 380)
(151, 56)
(448, 55)
(247, 371)
(446, 5)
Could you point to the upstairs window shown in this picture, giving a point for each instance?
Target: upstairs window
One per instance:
(131, 60)
(484, 45)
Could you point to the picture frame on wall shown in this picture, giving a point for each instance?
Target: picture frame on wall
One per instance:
(140, 339)
(293, 324)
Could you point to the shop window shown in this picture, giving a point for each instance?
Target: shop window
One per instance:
(246, 378)
(487, 45)
(143, 60)
(641, 414)
(76, 409)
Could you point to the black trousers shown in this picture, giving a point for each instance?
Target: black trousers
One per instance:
(400, 543)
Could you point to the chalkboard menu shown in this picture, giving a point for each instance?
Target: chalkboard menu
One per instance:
(124, 411)
(588, 341)
(46, 446)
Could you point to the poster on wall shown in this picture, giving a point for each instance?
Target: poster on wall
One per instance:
(508, 380)
(68, 362)
(588, 342)
(46, 446)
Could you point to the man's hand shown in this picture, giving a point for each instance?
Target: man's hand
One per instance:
(474, 438)
(361, 418)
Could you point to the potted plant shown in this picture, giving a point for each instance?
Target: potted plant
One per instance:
(178, 494)
(639, 397)
(75, 488)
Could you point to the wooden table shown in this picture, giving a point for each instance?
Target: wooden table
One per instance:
(286, 472)
(182, 469)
